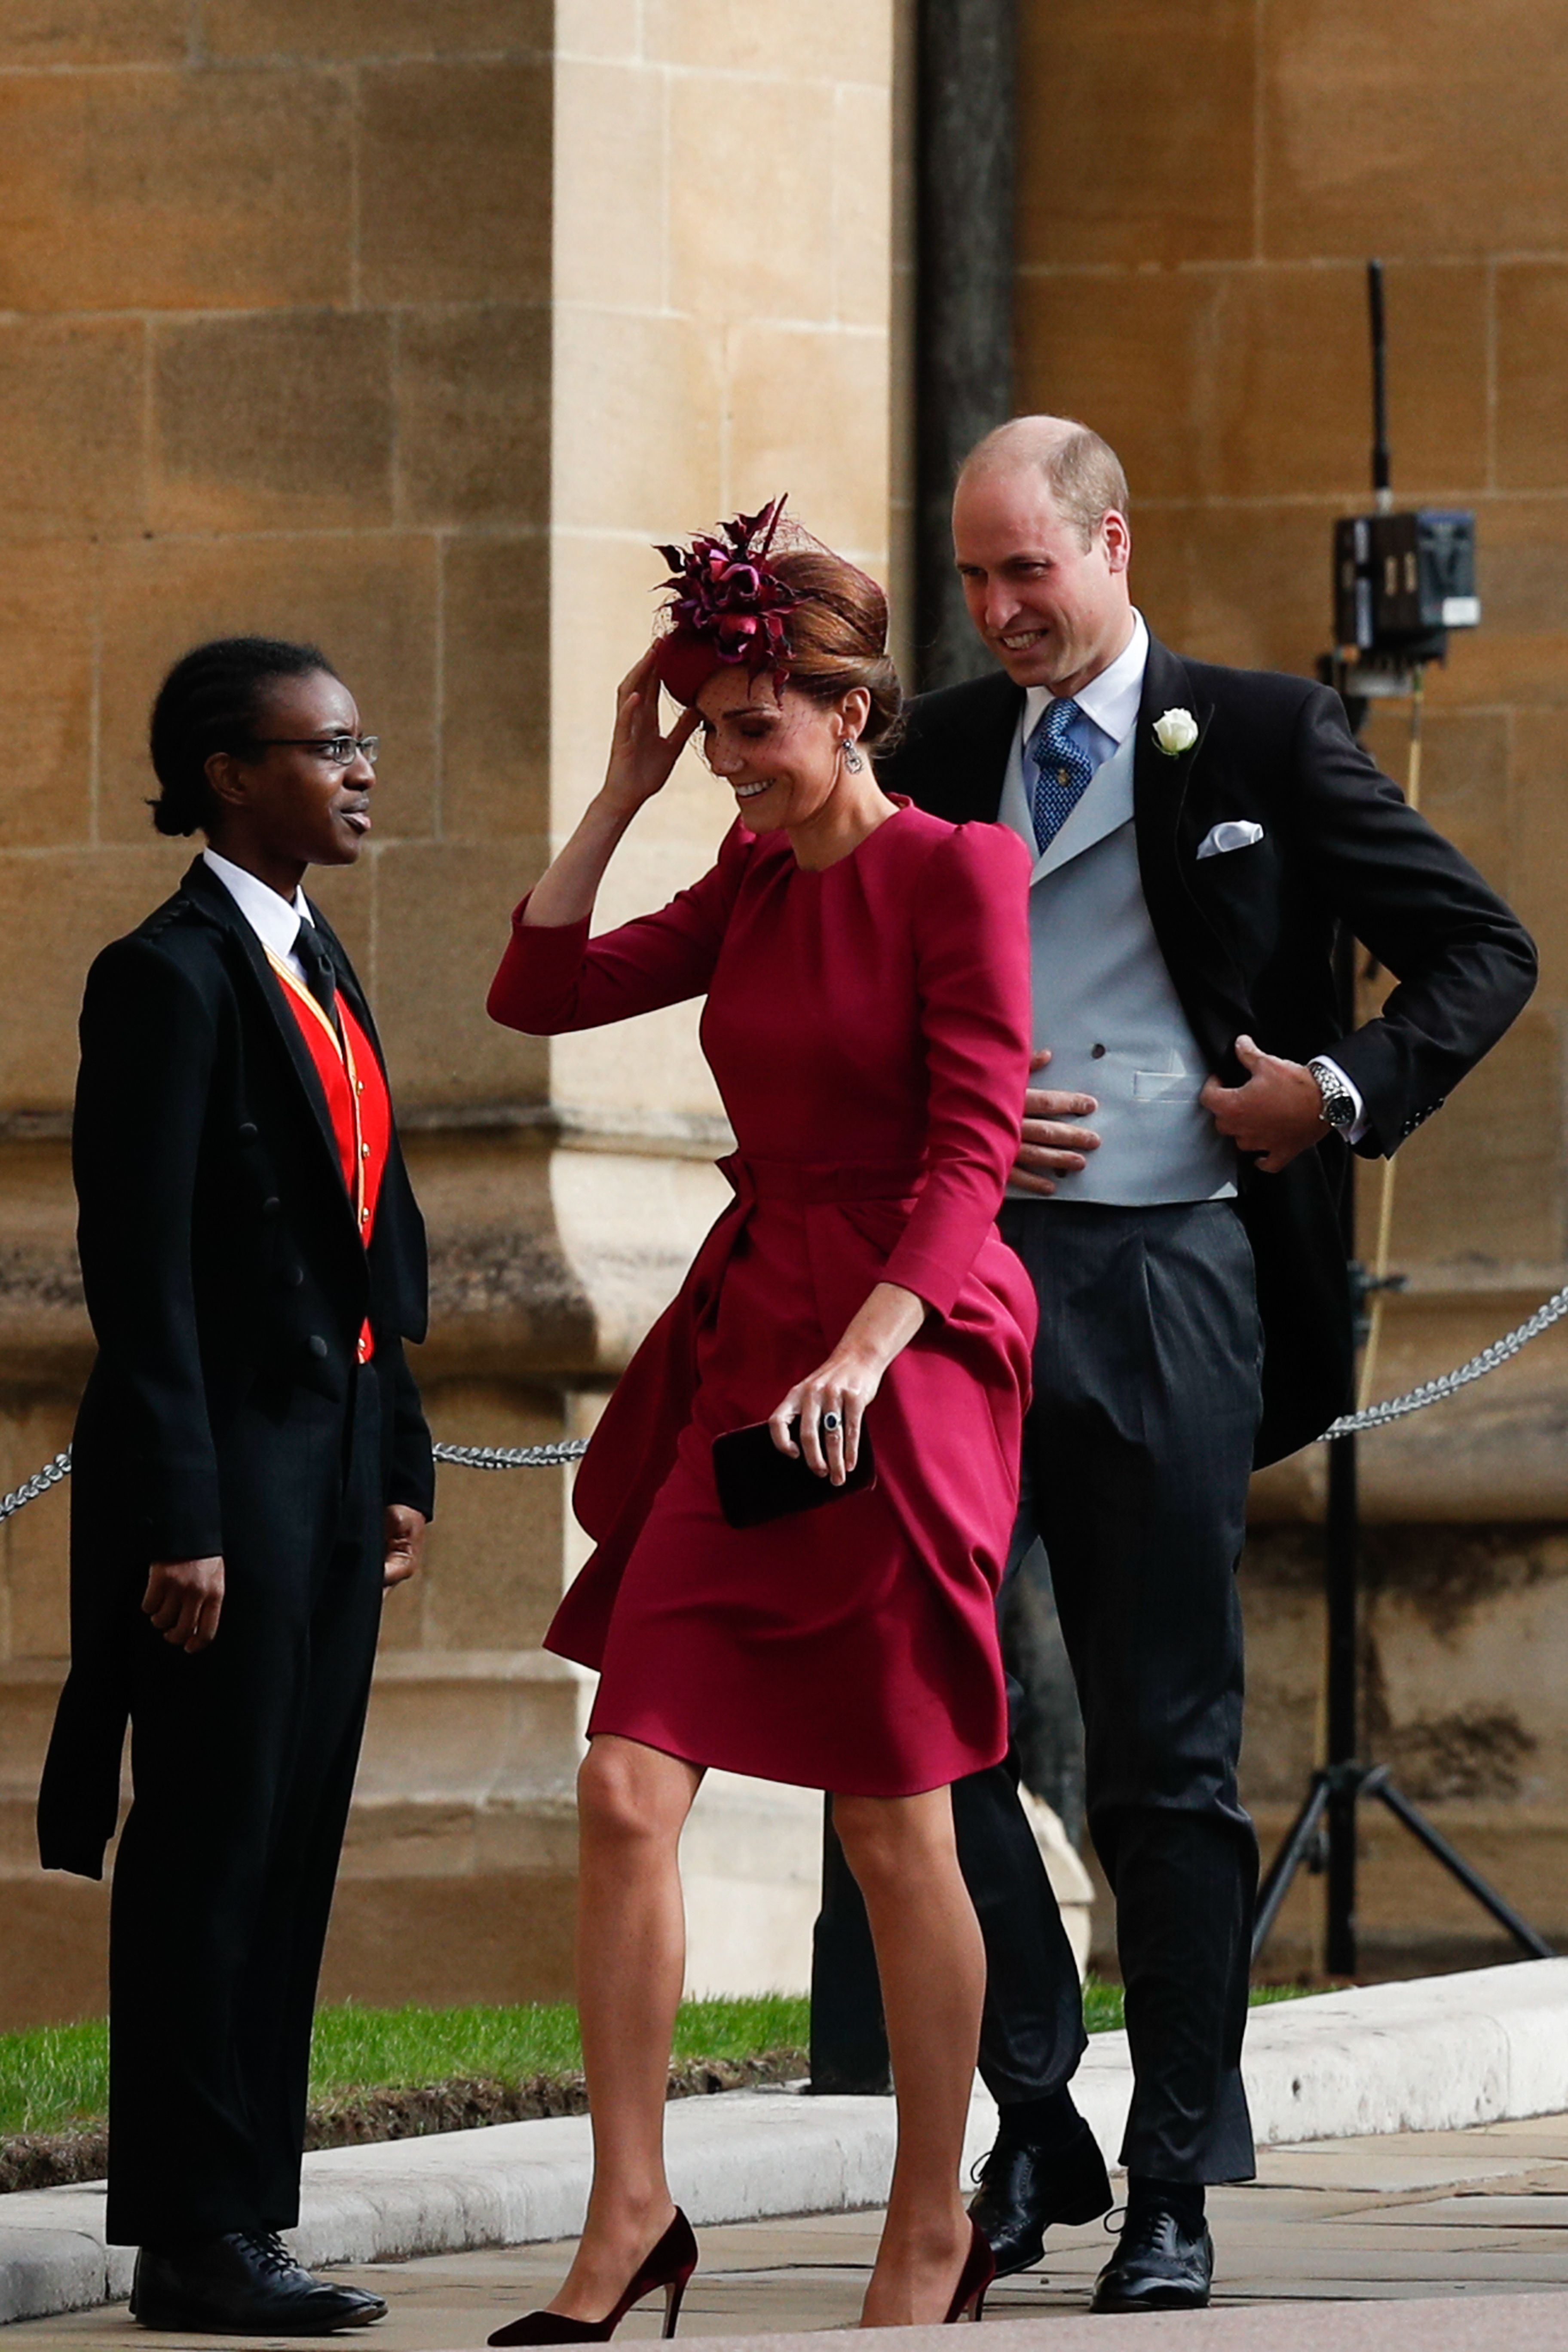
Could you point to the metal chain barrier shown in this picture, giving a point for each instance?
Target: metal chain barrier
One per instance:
(466, 1457)
(505, 1458)
(1376, 1416)
(571, 1449)
(38, 1484)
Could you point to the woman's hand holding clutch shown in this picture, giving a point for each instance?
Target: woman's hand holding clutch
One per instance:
(830, 1403)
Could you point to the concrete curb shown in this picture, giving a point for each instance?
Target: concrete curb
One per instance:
(1435, 2055)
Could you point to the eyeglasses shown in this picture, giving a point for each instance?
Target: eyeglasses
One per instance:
(341, 751)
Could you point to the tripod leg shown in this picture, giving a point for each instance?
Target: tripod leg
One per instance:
(1287, 1861)
(1437, 1846)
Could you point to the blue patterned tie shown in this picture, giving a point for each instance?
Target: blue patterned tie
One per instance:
(1057, 769)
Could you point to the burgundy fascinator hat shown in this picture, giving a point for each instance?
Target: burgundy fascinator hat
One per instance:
(727, 605)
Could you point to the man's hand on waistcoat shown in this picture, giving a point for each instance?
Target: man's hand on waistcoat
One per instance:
(1276, 1112)
(184, 1599)
(1052, 1144)
(404, 1544)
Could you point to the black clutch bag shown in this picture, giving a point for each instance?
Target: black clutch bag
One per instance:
(756, 1483)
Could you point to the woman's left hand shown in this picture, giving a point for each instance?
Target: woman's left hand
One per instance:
(830, 1403)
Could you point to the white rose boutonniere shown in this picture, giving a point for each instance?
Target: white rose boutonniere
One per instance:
(1175, 731)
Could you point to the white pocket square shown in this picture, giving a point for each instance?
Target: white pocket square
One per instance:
(1236, 833)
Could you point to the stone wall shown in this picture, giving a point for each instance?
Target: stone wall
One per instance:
(405, 326)
(1201, 188)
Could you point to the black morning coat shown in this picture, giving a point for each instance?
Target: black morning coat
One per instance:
(226, 1285)
(1247, 938)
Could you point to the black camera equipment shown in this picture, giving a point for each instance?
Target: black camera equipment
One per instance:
(1401, 583)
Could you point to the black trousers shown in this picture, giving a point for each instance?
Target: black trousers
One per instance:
(243, 1761)
(1137, 1454)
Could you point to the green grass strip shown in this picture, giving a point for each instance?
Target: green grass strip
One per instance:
(55, 2078)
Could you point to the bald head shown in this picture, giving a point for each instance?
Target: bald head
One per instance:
(1082, 473)
(1040, 536)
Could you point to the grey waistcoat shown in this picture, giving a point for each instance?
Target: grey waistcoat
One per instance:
(1105, 1006)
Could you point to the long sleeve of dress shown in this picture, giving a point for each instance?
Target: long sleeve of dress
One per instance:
(554, 977)
(972, 971)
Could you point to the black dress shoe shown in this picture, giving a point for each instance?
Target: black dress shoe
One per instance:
(246, 2283)
(1023, 2190)
(1158, 2265)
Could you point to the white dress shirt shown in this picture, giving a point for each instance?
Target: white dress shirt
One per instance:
(275, 920)
(1109, 701)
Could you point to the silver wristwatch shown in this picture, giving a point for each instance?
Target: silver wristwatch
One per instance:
(1338, 1102)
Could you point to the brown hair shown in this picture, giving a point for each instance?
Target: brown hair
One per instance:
(838, 635)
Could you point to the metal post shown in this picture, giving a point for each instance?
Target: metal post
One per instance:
(1340, 1582)
(1342, 1780)
(1341, 1546)
(966, 150)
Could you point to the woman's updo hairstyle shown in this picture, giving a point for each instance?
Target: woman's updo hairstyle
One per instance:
(211, 700)
(838, 636)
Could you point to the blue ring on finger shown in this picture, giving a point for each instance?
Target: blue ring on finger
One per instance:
(830, 1422)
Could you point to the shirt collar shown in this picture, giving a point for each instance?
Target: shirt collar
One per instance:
(1110, 700)
(275, 920)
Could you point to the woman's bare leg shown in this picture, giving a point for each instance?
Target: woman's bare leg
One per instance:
(932, 1967)
(632, 1802)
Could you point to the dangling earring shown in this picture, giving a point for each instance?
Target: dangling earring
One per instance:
(852, 759)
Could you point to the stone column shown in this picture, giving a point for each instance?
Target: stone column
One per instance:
(409, 330)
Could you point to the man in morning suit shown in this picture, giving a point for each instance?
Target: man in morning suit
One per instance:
(251, 1468)
(1197, 834)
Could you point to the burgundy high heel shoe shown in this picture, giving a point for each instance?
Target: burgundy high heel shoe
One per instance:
(669, 2266)
(974, 2280)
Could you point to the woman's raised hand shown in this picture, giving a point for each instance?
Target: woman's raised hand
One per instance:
(640, 762)
(640, 757)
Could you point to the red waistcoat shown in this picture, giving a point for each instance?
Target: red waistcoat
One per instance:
(357, 1101)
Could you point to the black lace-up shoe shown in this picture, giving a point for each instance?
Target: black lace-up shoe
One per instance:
(246, 2283)
(1023, 2190)
(1159, 2264)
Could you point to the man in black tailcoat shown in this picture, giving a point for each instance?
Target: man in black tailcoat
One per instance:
(1197, 834)
(251, 1467)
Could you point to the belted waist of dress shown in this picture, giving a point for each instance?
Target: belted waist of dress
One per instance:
(810, 1186)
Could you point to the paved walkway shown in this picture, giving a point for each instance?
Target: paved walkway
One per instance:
(1457, 2216)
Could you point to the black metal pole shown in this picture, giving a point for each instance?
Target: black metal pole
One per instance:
(1341, 1546)
(1342, 1780)
(1382, 461)
(1340, 1941)
(967, 147)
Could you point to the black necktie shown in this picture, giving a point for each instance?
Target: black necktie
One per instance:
(320, 978)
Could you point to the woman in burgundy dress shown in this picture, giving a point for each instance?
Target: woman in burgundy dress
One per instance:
(866, 973)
